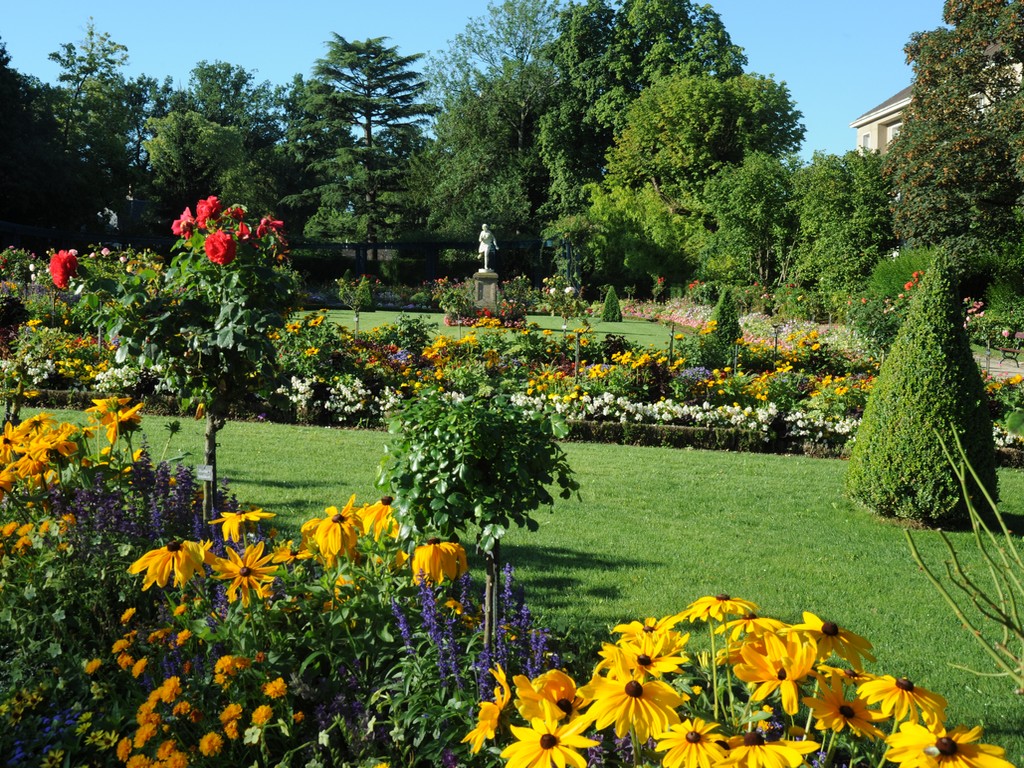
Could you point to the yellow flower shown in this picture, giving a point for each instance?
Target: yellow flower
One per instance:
(182, 558)
(652, 654)
(139, 667)
(233, 522)
(490, 713)
(918, 747)
(127, 615)
(275, 689)
(778, 668)
(230, 712)
(170, 690)
(437, 560)
(547, 745)
(376, 519)
(717, 607)
(109, 413)
(649, 707)
(551, 696)
(336, 533)
(831, 638)
(902, 699)
(751, 751)
(249, 573)
(92, 665)
(262, 715)
(833, 711)
(211, 744)
(691, 744)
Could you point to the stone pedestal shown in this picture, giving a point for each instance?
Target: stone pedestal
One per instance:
(485, 290)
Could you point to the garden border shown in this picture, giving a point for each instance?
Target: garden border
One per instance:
(616, 432)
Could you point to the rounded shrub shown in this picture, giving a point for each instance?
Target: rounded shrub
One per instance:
(612, 312)
(929, 392)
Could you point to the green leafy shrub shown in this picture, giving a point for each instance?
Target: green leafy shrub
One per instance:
(717, 347)
(929, 387)
(612, 312)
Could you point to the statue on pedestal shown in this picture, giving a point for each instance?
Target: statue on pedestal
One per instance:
(488, 245)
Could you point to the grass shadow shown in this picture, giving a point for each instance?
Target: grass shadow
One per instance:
(549, 574)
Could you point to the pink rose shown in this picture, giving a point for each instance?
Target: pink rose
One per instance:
(268, 225)
(183, 226)
(207, 209)
(63, 266)
(220, 248)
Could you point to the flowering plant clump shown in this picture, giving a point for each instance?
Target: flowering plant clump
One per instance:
(455, 300)
(350, 641)
(769, 694)
(208, 317)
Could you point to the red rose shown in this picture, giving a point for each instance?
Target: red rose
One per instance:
(183, 227)
(207, 209)
(63, 266)
(220, 248)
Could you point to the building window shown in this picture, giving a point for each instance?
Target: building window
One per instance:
(865, 141)
(893, 131)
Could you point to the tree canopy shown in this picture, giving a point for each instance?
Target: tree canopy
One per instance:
(956, 164)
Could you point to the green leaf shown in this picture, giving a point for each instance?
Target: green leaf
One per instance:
(1015, 423)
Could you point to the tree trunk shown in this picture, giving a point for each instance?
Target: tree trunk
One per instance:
(214, 423)
(491, 567)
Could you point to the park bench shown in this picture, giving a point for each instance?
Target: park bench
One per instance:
(1013, 353)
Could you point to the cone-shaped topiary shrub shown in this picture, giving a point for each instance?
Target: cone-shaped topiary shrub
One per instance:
(929, 385)
(719, 347)
(612, 312)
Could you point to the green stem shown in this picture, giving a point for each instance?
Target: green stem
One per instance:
(714, 668)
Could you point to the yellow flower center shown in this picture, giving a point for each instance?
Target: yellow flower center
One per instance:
(548, 741)
(693, 737)
(753, 739)
(829, 628)
(905, 685)
(946, 746)
(634, 689)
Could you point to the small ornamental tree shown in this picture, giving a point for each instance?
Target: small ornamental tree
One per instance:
(611, 312)
(203, 321)
(458, 464)
(928, 388)
(726, 331)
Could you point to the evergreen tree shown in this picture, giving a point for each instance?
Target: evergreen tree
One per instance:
(612, 312)
(727, 330)
(929, 389)
(364, 109)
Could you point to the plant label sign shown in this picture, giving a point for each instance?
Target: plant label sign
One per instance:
(204, 472)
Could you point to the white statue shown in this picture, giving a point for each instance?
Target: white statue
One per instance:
(488, 245)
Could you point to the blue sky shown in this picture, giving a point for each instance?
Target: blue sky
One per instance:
(838, 58)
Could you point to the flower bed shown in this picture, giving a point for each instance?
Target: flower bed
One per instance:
(227, 642)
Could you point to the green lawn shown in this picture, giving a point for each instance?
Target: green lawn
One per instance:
(657, 528)
(641, 332)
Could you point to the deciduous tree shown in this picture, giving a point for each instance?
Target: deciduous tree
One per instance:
(956, 164)
(679, 134)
